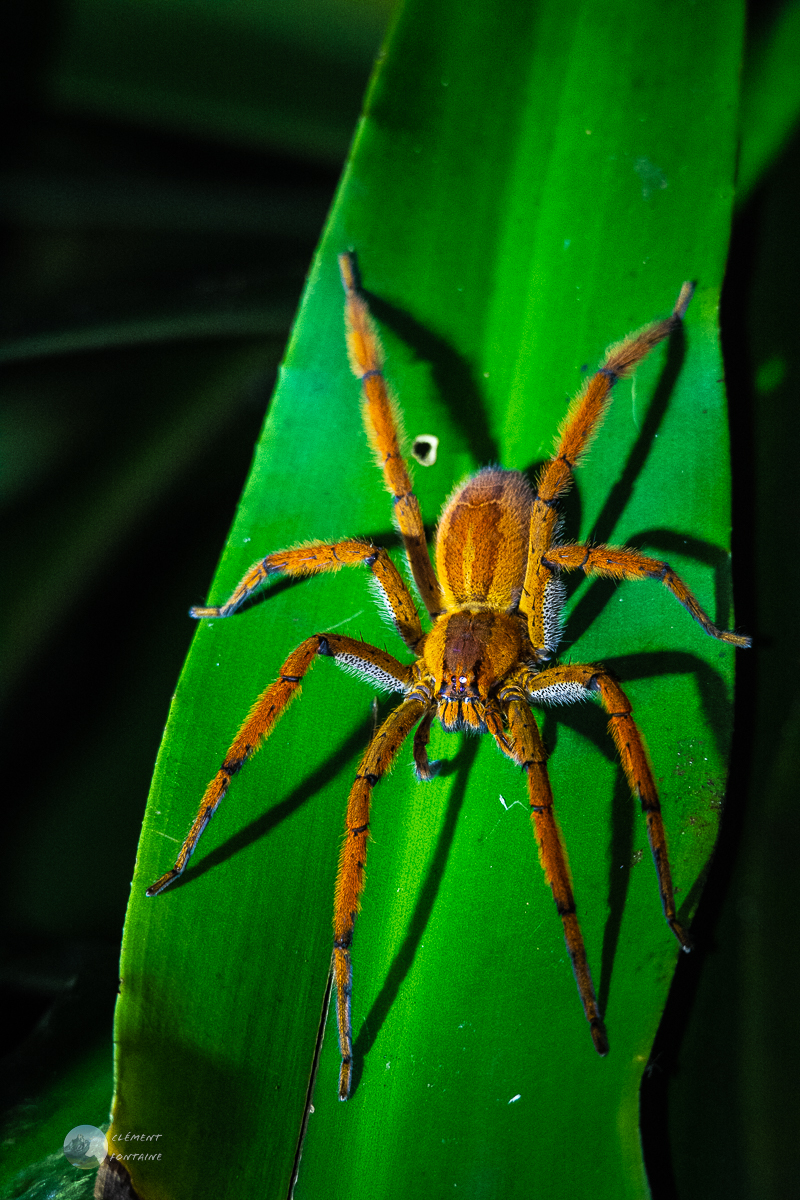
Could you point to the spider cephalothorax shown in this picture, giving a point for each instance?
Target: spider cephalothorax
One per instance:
(495, 602)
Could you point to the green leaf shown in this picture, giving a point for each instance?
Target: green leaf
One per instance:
(527, 184)
(770, 93)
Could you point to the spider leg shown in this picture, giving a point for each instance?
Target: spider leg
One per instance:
(425, 769)
(352, 860)
(541, 593)
(374, 664)
(313, 558)
(618, 562)
(383, 425)
(528, 750)
(562, 684)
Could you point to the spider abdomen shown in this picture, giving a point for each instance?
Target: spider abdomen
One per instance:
(482, 540)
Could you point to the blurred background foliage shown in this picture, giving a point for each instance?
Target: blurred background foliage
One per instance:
(167, 168)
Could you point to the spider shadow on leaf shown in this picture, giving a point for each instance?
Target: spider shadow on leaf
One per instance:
(714, 702)
(426, 898)
(455, 385)
(453, 380)
(625, 818)
(625, 826)
(331, 769)
(473, 652)
(621, 491)
(665, 541)
(387, 538)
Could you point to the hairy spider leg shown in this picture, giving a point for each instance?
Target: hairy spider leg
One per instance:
(542, 591)
(383, 424)
(373, 663)
(425, 770)
(557, 684)
(352, 860)
(620, 562)
(313, 558)
(528, 750)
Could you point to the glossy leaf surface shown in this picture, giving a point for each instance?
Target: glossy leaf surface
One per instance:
(525, 187)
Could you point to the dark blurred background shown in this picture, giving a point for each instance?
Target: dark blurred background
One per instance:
(165, 174)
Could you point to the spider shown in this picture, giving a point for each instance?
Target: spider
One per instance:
(494, 599)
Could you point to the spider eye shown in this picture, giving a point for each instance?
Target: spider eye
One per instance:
(462, 679)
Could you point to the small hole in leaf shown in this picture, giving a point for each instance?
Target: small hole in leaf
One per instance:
(424, 449)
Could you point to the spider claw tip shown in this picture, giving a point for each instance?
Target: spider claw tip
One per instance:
(599, 1038)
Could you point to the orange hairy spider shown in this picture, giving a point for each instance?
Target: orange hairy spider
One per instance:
(494, 599)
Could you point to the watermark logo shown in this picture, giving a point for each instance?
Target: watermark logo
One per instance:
(128, 1146)
(85, 1146)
